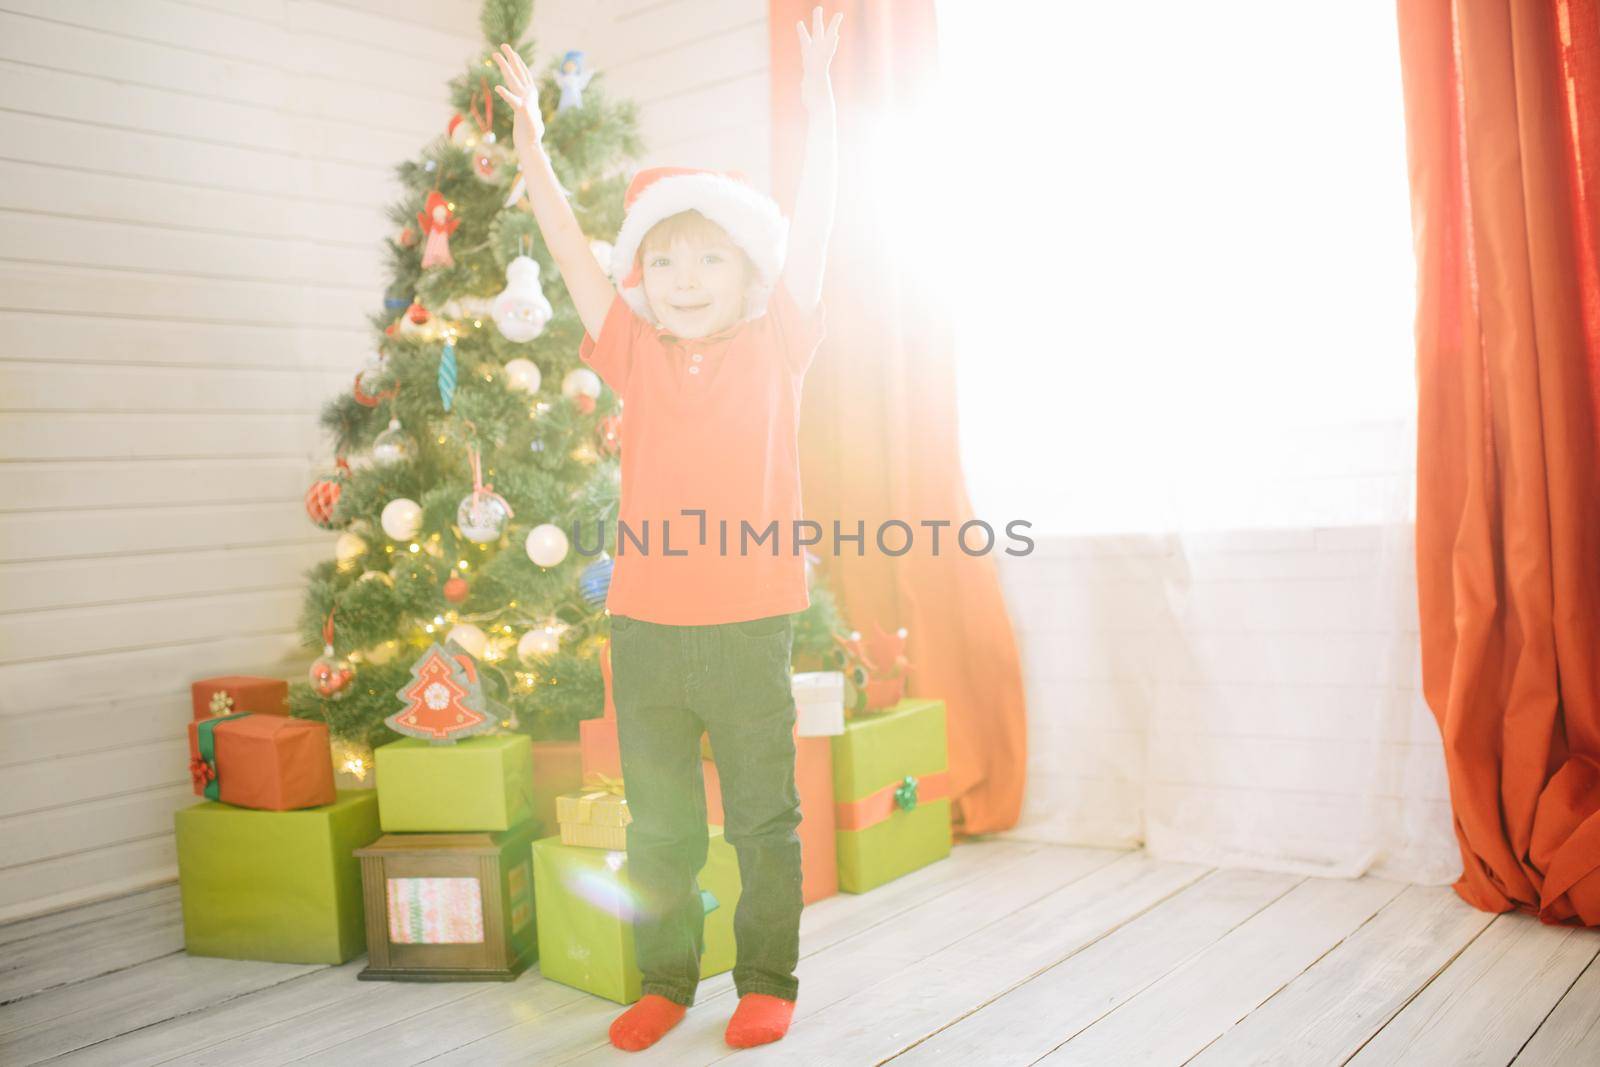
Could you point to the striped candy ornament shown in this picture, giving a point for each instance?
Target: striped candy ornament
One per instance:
(447, 374)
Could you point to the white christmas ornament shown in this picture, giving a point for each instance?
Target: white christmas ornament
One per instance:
(541, 641)
(547, 544)
(521, 310)
(581, 381)
(401, 519)
(523, 374)
(470, 638)
(482, 518)
(393, 446)
(467, 307)
(347, 549)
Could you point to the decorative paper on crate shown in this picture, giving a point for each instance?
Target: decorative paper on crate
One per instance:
(444, 701)
(435, 911)
(519, 882)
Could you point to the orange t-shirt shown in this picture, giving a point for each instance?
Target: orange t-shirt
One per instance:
(711, 424)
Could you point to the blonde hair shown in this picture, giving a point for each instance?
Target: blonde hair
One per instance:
(691, 225)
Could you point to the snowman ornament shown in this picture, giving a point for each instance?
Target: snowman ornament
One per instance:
(521, 310)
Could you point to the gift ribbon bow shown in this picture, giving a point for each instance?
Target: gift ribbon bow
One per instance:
(479, 489)
(595, 781)
(221, 702)
(880, 806)
(201, 772)
(203, 768)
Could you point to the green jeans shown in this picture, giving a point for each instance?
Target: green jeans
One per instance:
(669, 684)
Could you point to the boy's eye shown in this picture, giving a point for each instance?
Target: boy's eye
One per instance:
(712, 257)
(659, 261)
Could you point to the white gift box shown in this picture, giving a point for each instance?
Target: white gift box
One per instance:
(819, 703)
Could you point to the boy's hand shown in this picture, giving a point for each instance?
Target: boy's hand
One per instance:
(816, 52)
(527, 125)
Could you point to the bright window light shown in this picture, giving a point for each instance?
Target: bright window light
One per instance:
(1177, 241)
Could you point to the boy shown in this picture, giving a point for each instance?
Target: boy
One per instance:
(707, 339)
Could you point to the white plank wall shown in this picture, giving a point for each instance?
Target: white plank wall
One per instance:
(191, 211)
(192, 203)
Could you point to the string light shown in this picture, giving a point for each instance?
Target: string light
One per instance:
(415, 547)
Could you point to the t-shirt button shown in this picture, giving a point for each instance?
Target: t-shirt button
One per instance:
(697, 357)
(694, 370)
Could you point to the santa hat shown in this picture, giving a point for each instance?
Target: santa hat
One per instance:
(750, 217)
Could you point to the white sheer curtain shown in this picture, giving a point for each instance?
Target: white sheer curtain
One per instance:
(1178, 240)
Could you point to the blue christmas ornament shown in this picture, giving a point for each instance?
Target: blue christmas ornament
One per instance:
(595, 582)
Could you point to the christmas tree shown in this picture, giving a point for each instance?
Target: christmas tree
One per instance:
(476, 441)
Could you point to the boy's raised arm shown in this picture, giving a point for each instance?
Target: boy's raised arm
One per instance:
(587, 283)
(814, 199)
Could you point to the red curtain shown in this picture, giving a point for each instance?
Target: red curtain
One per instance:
(878, 432)
(1502, 105)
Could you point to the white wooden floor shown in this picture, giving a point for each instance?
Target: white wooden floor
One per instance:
(1007, 953)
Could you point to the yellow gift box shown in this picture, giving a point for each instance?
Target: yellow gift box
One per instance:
(595, 817)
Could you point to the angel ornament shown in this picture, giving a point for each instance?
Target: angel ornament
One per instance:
(438, 222)
(573, 78)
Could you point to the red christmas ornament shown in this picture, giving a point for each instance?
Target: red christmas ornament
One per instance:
(417, 313)
(408, 236)
(323, 495)
(455, 588)
(611, 434)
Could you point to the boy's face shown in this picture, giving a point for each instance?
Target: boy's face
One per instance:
(696, 284)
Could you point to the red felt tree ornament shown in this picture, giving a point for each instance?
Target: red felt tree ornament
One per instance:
(444, 701)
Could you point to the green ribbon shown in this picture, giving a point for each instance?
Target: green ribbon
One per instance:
(905, 795)
(208, 750)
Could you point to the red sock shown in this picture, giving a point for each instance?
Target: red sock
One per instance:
(643, 1024)
(758, 1019)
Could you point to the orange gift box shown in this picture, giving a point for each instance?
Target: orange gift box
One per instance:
(267, 762)
(557, 769)
(597, 739)
(234, 693)
(813, 774)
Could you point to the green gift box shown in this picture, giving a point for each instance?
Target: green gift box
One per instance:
(283, 886)
(584, 903)
(891, 793)
(481, 783)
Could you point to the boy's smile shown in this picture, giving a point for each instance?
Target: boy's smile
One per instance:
(696, 285)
